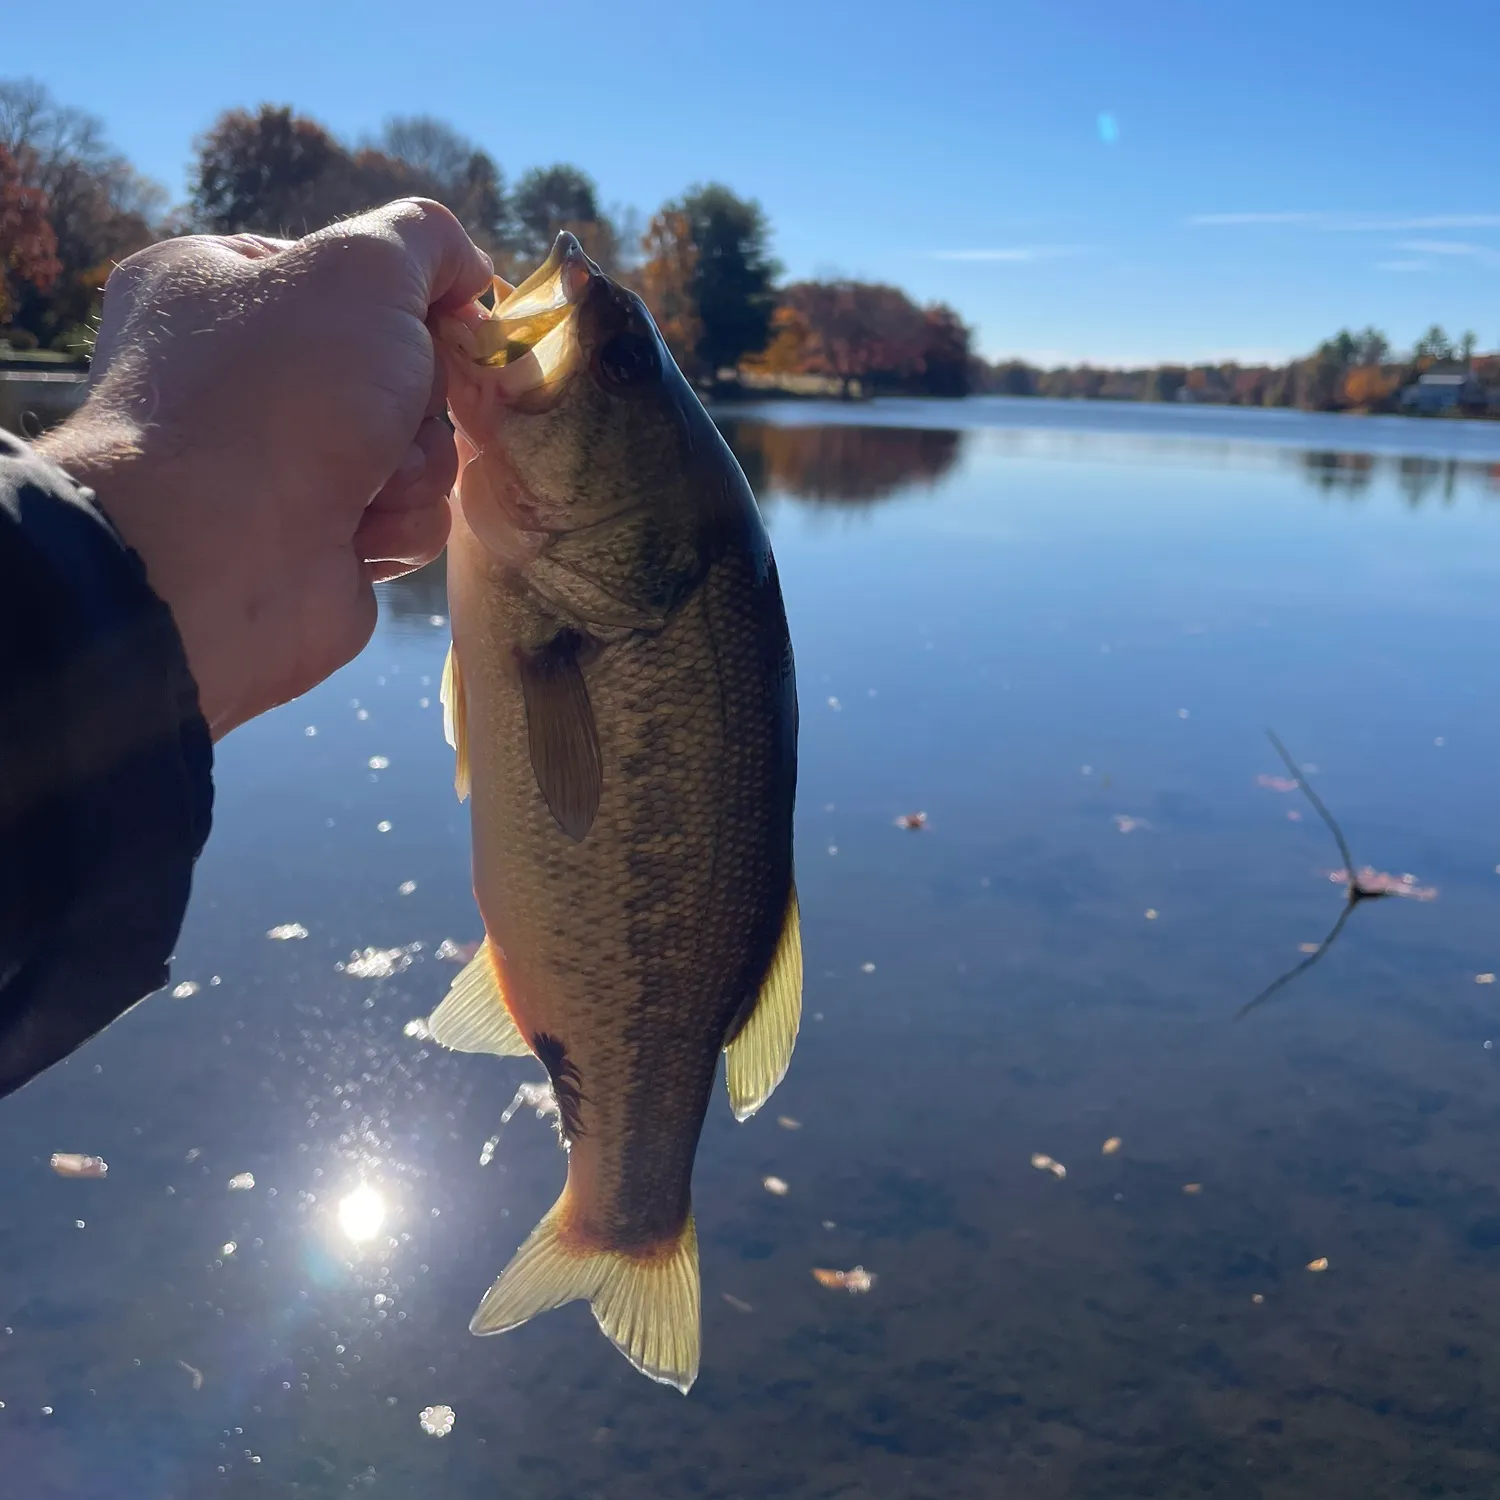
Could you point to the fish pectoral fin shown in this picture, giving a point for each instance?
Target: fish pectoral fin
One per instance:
(757, 1057)
(648, 1306)
(561, 733)
(455, 727)
(474, 1017)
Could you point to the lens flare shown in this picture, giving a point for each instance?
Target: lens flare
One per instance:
(361, 1213)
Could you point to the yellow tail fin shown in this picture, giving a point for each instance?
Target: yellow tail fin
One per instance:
(648, 1307)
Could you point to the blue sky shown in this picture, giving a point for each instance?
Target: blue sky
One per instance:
(1123, 182)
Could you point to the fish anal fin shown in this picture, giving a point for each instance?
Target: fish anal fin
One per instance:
(561, 733)
(455, 725)
(758, 1055)
(474, 1017)
(647, 1305)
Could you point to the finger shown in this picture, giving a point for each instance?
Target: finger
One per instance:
(253, 246)
(448, 268)
(437, 398)
(413, 535)
(430, 466)
(383, 572)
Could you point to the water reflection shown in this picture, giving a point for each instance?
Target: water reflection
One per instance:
(840, 465)
(417, 604)
(1348, 474)
(1419, 478)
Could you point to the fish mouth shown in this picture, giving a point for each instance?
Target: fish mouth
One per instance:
(528, 342)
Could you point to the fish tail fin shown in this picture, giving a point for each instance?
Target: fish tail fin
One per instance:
(647, 1305)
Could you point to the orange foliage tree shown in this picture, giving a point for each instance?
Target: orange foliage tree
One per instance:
(788, 351)
(1369, 386)
(668, 283)
(873, 334)
(856, 329)
(28, 244)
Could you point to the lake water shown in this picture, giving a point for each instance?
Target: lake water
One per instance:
(1060, 631)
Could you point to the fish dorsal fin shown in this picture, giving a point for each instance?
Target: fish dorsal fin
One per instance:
(455, 726)
(756, 1060)
(561, 733)
(474, 1017)
(647, 1305)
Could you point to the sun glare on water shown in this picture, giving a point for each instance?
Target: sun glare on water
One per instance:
(361, 1213)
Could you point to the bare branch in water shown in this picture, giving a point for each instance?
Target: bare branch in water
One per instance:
(1285, 979)
(1317, 801)
(1354, 892)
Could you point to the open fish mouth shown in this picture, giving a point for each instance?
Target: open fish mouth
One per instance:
(529, 339)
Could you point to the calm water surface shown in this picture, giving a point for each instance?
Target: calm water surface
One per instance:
(1059, 631)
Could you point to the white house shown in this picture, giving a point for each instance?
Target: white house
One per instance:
(1443, 392)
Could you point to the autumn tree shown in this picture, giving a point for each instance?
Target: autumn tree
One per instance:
(946, 352)
(28, 243)
(449, 167)
(668, 282)
(858, 330)
(789, 351)
(1369, 387)
(271, 173)
(548, 200)
(100, 208)
(735, 274)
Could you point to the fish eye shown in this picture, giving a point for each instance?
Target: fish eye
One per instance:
(629, 359)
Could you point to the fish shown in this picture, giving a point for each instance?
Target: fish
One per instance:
(620, 694)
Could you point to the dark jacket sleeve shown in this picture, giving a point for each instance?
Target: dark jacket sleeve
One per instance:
(105, 771)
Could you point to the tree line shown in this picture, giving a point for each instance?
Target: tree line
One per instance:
(1352, 371)
(70, 208)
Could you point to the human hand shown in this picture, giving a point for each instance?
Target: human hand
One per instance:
(265, 429)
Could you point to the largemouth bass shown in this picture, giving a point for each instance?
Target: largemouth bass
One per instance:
(621, 699)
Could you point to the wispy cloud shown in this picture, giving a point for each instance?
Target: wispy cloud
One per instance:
(1440, 247)
(1252, 218)
(1345, 222)
(1401, 265)
(1453, 248)
(1013, 253)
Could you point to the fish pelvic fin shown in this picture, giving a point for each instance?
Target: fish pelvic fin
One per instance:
(757, 1057)
(647, 1305)
(474, 1017)
(455, 727)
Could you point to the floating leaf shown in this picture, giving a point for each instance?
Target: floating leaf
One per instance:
(1277, 783)
(72, 1164)
(853, 1281)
